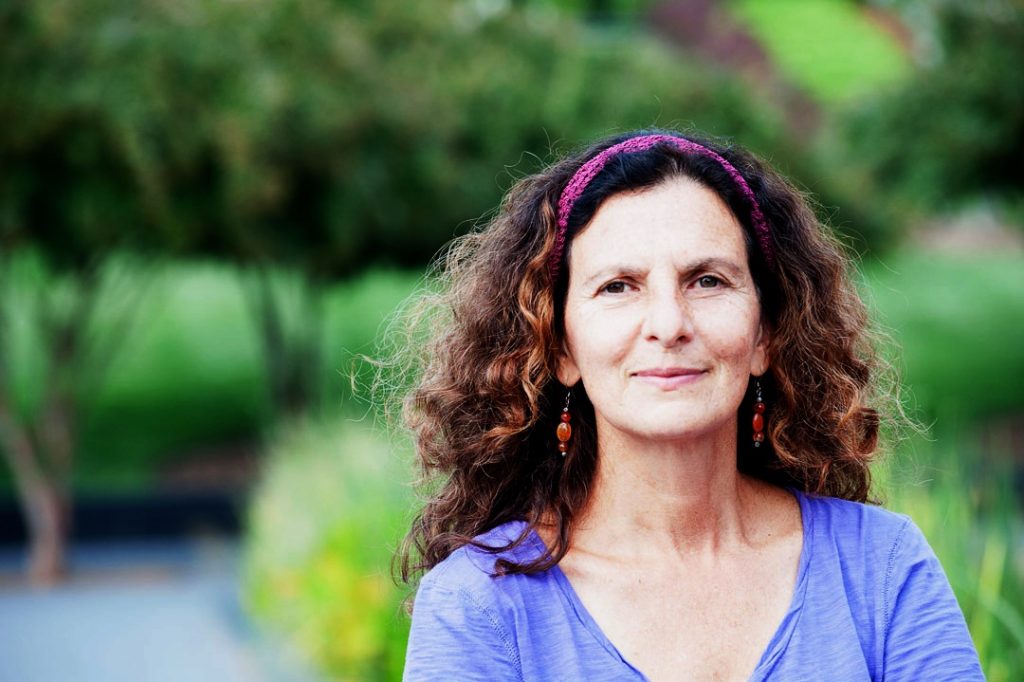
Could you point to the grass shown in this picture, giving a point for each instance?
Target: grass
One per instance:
(972, 519)
(830, 48)
(188, 372)
(959, 326)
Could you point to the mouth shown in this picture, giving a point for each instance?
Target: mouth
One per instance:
(669, 377)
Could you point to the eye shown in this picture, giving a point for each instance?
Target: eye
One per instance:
(616, 287)
(708, 282)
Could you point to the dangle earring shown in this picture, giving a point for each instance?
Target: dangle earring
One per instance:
(758, 420)
(564, 431)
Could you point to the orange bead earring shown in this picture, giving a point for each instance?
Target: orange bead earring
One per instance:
(758, 420)
(564, 431)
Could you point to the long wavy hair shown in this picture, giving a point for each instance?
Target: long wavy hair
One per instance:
(485, 399)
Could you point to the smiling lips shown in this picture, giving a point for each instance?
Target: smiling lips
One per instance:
(669, 377)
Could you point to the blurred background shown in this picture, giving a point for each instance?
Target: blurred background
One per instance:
(209, 210)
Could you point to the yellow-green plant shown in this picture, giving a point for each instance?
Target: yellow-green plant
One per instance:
(323, 525)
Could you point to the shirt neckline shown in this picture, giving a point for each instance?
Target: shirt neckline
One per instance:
(783, 633)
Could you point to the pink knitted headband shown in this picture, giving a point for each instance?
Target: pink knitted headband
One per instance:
(588, 171)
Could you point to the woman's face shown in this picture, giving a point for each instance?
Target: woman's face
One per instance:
(662, 319)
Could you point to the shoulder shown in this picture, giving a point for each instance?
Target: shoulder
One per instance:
(865, 529)
(861, 548)
(898, 590)
(464, 616)
(471, 567)
(882, 555)
(470, 573)
(871, 579)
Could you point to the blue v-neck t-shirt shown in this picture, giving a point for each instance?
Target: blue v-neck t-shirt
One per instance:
(871, 602)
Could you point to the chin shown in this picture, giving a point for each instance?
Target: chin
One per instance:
(677, 430)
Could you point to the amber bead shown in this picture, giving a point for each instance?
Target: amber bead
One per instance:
(758, 422)
(563, 447)
(759, 407)
(564, 432)
(759, 436)
(565, 417)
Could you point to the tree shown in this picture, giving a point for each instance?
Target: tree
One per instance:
(48, 340)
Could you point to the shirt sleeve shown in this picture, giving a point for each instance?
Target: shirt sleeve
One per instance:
(455, 637)
(926, 635)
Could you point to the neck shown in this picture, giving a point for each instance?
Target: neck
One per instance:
(661, 498)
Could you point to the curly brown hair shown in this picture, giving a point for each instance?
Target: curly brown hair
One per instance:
(486, 400)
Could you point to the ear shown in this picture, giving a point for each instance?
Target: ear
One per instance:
(567, 371)
(759, 362)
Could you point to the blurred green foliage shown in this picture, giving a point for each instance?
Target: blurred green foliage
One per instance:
(972, 518)
(186, 371)
(954, 132)
(327, 518)
(329, 134)
(59, 335)
(908, 133)
(958, 324)
(596, 10)
(314, 132)
(188, 374)
(358, 315)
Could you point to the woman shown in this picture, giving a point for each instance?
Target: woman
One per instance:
(652, 406)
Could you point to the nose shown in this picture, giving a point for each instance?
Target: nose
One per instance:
(667, 320)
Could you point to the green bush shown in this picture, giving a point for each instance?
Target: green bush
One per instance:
(190, 374)
(956, 320)
(130, 359)
(330, 511)
(356, 314)
(954, 132)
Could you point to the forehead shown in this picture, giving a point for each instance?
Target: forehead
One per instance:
(678, 219)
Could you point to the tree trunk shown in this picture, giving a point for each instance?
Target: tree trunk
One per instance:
(292, 353)
(47, 515)
(43, 503)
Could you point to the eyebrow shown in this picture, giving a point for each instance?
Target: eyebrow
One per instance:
(712, 263)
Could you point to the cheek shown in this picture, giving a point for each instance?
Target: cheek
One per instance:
(597, 338)
(731, 334)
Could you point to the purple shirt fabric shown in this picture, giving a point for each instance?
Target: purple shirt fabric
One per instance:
(871, 603)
